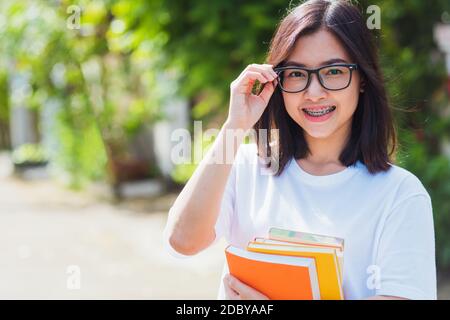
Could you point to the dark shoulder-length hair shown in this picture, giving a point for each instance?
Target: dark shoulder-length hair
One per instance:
(372, 132)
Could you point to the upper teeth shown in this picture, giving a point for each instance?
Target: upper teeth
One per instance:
(320, 111)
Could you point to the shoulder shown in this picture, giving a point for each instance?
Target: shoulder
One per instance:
(396, 178)
(395, 188)
(404, 185)
(408, 183)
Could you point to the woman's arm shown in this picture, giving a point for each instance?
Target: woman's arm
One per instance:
(195, 211)
(194, 214)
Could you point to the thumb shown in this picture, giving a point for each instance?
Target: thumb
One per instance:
(268, 90)
(245, 292)
(235, 284)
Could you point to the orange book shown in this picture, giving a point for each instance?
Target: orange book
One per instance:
(276, 276)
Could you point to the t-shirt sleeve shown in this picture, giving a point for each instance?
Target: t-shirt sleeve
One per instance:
(406, 251)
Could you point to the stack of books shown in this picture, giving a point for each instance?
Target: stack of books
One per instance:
(291, 265)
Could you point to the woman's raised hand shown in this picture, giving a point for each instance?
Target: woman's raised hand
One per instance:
(245, 107)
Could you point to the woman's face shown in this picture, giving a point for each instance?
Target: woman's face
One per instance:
(313, 51)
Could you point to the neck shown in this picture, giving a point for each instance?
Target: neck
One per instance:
(326, 151)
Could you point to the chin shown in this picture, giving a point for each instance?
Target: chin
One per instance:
(318, 134)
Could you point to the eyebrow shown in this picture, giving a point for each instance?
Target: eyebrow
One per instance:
(324, 63)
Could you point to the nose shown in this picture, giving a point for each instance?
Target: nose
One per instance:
(315, 91)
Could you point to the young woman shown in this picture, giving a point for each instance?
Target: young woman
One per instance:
(331, 165)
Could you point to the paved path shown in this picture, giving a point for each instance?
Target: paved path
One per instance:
(117, 249)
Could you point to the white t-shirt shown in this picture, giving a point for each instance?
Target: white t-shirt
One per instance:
(386, 221)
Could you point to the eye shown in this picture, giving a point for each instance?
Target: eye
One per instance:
(334, 72)
(296, 74)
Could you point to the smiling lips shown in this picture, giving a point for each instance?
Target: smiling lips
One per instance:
(317, 108)
(318, 113)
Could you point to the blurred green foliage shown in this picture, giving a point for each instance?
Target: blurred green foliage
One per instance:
(416, 81)
(4, 98)
(106, 76)
(29, 154)
(101, 94)
(4, 110)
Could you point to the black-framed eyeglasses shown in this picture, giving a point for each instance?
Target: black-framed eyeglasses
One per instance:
(332, 77)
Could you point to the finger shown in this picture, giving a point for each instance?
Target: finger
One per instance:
(266, 70)
(267, 77)
(230, 293)
(267, 92)
(246, 82)
(245, 292)
(271, 70)
(255, 75)
(238, 286)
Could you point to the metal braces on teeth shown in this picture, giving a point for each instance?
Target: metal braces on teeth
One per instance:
(320, 113)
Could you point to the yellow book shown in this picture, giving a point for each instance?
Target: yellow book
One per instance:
(327, 264)
(339, 252)
(310, 239)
